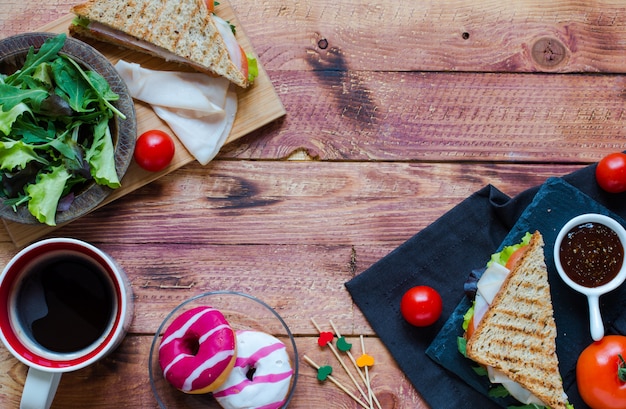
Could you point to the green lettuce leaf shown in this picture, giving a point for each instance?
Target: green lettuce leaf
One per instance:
(253, 68)
(45, 194)
(7, 118)
(503, 256)
(16, 154)
(101, 156)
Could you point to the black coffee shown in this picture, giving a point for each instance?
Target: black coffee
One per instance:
(65, 303)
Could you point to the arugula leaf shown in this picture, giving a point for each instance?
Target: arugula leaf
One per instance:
(66, 144)
(10, 96)
(480, 370)
(45, 194)
(48, 51)
(71, 86)
(498, 391)
(102, 88)
(30, 132)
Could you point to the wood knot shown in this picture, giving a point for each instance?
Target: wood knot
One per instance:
(548, 52)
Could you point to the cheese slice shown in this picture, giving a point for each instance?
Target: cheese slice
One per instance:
(199, 108)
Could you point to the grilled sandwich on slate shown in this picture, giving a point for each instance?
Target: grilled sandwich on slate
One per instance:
(184, 31)
(517, 335)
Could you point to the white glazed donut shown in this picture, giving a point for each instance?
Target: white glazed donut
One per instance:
(264, 359)
(198, 350)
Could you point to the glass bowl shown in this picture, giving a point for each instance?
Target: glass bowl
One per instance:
(13, 52)
(243, 312)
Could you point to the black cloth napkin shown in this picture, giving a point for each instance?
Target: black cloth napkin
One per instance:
(441, 256)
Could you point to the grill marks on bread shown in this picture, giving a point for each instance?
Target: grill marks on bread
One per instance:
(517, 335)
(182, 27)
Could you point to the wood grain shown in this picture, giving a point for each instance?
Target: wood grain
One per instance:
(281, 203)
(396, 112)
(453, 35)
(92, 386)
(365, 115)
(257, 106)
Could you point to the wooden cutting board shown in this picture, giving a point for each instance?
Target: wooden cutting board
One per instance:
(257, 106)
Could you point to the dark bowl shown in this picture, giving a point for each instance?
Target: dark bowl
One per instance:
(13, 51)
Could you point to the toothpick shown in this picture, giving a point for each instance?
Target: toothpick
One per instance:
(367, 374)
(336, 382)
(343, 365)
(365, 381)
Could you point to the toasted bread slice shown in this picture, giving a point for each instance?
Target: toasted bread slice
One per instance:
(517, 335)
(183, 28)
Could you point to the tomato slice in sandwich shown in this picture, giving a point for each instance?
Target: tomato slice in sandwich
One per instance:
(244, 62)
(515, 257)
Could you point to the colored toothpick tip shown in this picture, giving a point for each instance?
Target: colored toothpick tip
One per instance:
(365, 360)
(343, 345)
(334, 380)
(325, 338)
(341, 362)
(323, 372)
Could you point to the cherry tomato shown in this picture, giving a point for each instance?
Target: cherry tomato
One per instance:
(611, 172)
(421, 306)
(598, 373)
(154, 150)
(515, 257)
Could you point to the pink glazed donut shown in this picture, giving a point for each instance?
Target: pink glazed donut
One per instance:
(197, 351)
(262, 374)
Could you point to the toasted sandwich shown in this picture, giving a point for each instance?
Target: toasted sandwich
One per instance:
(516, 336)
(185, 31)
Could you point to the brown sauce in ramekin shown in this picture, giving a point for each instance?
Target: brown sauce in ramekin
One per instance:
(591, 254)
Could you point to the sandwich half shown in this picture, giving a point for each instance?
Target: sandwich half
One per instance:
(185, 31)
(517, 334)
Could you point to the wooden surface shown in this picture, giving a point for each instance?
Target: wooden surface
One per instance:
(396, 111)
(257, 106)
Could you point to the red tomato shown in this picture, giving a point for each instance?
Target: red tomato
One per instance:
(598, 373)
(210, 5)
(421, 306)
(244, 62)
(154, 150)
(515, 257)
(470, 328)
(611, 172)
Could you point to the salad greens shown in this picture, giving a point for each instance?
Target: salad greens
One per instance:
(503, 256)
(54, 131)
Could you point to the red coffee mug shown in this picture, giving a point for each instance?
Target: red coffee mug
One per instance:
(66, 305)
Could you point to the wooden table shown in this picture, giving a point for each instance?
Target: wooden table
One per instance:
(396, 111)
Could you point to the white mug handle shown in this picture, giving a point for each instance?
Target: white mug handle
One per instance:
(39, 389)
